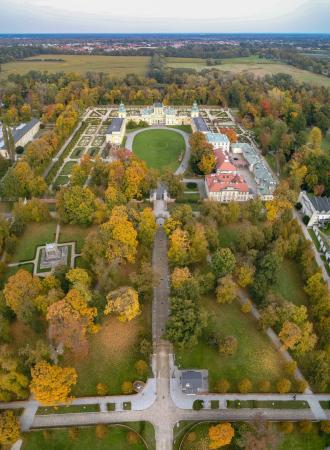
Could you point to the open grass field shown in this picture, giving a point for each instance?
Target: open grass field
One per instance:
(259, 67)
(114, 439)
(70, 233)
(34, 235)
(255, 357)
(161, 149)
(294, 441)
(290, 284)
(118, 66)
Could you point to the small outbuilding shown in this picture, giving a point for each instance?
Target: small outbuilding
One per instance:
(194, 381)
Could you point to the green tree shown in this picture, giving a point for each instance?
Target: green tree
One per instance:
(223, 262)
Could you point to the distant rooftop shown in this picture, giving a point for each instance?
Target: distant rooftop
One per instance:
(217, 137)
(115, 125)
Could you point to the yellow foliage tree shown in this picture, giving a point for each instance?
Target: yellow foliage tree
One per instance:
(220, 435)
(147, 227)
(178, 252)
(207, 163)
(275, 207)
(290, 334)
(52, 384)
(124, 302)
(244, 274)
(9, 428)
(120, 236)
(179, 276)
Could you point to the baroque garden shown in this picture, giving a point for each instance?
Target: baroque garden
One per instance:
(144, 306)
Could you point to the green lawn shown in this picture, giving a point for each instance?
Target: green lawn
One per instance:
(115, 439)
(186, 128)
(67, 168)
(294, 441)
(159, 148)
(34, 235)
(118, 66)
(290, 283)
(255, 358)
(70, 233)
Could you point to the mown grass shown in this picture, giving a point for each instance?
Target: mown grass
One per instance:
(115, 439)
(118, 66)
(70, 233)
(35, 234)
(255, 357)
(159, 148)
(290, 284)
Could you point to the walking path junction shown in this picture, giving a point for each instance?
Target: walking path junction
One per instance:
(162, 402)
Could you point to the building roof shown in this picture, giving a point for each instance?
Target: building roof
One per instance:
(200, 124)
(19, 131)
(320, 204)
(158, 105)
(115, 125)
(217, 182)
(191, 381)
(226, 166)
(195, 107)
(217, 138)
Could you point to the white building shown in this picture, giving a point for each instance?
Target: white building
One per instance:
(316, 208)
(116, 131)
(218, 140)
(158, 114)
(22, 135)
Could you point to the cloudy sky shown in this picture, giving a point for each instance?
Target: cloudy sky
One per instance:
(113, 16)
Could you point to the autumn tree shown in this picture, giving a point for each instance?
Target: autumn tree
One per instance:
(20, 292)
(21, 181)
(244, 274)
(259, 435)
(227, 290)
(119, 236)
(244, 386)
(70, 321)
(33, 210)
(13, 383)
(147, 227)
(9, 428)
(186, 322)
(178, 253)
(123, 302)
(283, 385)
(179, 276)
(141, 367)
(76, 205)
(290, 335)
(228, 345)
(52, 384)
(221, 435)
(223, 262)
(223, 386)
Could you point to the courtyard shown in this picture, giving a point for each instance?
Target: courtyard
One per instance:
(161, 149)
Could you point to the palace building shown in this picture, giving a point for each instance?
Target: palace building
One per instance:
(22, 135)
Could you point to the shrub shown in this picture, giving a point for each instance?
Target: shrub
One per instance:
(132, 437)
(102, 389)
(223, 386)
(283, 385)
(198, 405)
(290, 367)
(228, 345)
(246, 308)
(101, 431)
(145, 347)
(325, 426)
(141, 367)
(305, 426)
(245, 386)
(264, 386)
(127, 406)
(305, 220)
(192, 185)
(214, 404)
(127, 387)
(298, 206)
(301, 386)
(286, 427)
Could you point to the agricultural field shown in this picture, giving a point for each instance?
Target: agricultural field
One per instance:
(259, 67)
(159, 148)
(118, 66)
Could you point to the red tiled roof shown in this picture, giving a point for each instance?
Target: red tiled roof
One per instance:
(226, 167)
(220, 182)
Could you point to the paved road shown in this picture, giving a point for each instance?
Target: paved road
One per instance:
(185, 161)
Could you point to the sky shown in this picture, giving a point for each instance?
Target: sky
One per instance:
(132, 16)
